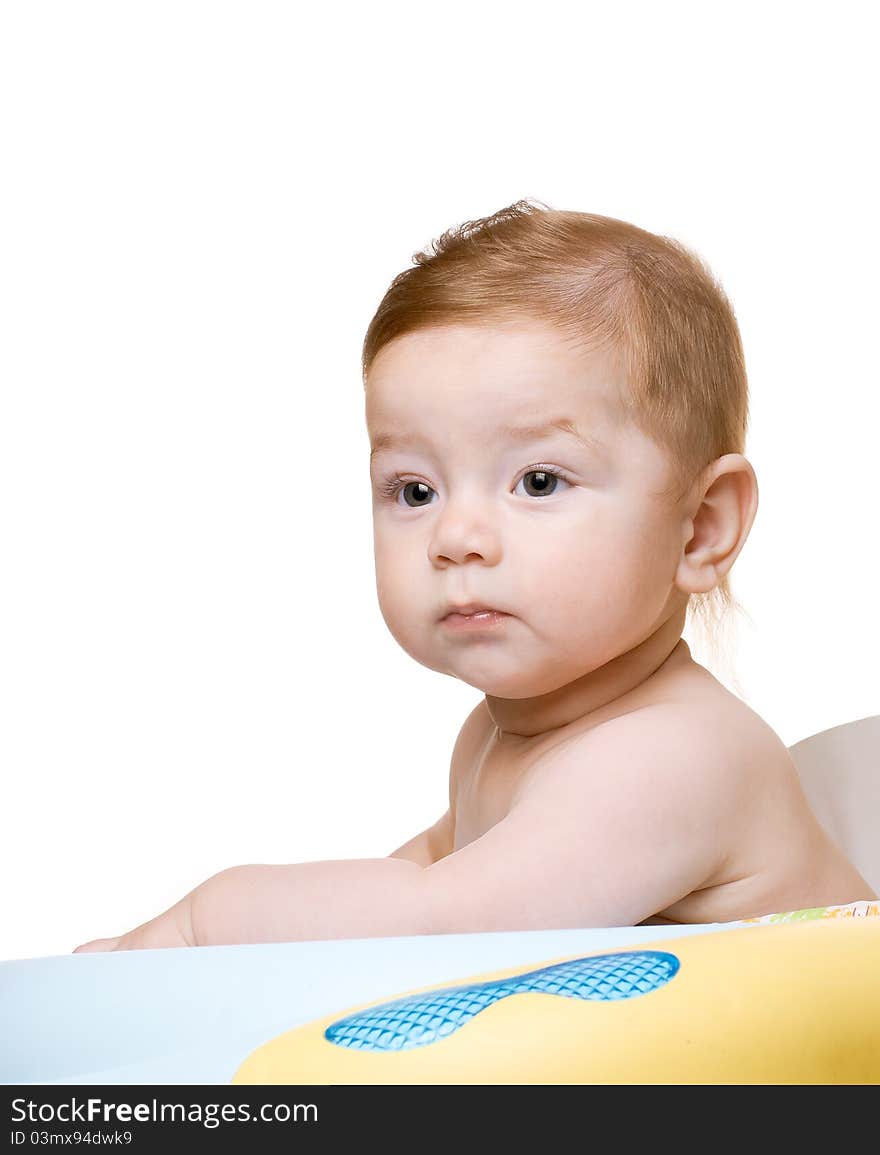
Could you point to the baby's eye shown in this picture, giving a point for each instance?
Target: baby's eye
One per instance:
(544, 483)
(416, 494)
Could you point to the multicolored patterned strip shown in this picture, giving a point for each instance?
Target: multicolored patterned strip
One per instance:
(864, 909)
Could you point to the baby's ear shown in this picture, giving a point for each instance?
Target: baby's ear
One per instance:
(719, 521)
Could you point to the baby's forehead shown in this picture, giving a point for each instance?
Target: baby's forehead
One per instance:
(492, 378)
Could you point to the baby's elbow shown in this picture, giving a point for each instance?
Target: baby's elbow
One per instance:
(457, 903)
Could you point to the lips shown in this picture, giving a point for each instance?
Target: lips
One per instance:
(472, 608)
(479, 620)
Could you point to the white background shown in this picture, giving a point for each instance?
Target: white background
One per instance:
(202, 207)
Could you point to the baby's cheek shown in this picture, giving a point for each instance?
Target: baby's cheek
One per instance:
(634, 543)
(607, 585)
(410, 606)
(402, 594)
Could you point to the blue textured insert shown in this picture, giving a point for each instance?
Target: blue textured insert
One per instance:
(416, 1020)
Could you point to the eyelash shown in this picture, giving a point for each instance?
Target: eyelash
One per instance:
(393, 484)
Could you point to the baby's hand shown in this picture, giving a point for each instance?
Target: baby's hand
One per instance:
(173, 928)
(97, 944)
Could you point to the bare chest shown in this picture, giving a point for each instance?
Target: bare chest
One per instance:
(486, 788)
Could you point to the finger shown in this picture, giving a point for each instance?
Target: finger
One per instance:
(97, 944)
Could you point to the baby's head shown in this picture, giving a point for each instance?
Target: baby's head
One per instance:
(593, 534)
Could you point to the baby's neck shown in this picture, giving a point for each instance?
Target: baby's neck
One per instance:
(516, 719)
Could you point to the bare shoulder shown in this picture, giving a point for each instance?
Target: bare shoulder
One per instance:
(773, 853)
(713, 719)
(747, 748)
(693, 717)
(695, 746)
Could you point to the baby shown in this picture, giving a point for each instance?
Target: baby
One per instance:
(557, 406)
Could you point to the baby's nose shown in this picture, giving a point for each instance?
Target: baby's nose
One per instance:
(460, 538)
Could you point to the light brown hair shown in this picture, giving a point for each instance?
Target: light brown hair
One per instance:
(603, 283)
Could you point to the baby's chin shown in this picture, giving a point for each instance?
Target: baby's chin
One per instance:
(513, 689)
(505, 679)
(497, 667)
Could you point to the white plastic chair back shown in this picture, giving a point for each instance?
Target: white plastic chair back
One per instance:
(840, 773)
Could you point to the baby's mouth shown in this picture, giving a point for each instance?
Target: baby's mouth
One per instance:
(476, 619)
(471, 609)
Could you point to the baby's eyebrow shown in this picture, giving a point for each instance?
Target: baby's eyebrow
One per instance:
(513, 432)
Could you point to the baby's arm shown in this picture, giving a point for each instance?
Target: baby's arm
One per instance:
(252, 903)
(614, 828)
(429, 846)
(338, 898)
